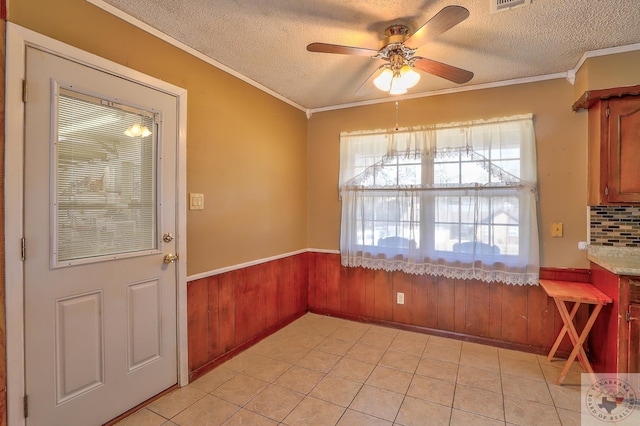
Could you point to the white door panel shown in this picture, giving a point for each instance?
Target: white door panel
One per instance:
(100, 307)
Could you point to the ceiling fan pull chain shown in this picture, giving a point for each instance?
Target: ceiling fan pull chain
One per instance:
(396, 115)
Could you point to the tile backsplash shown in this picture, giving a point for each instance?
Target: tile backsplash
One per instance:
(615, 226)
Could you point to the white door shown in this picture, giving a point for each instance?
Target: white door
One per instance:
(100, 189)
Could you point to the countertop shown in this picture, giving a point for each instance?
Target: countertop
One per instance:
(619, 260)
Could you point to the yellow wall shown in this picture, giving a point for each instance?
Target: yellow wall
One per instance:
(604, 72)
(561, 137)
(246, 150)
(270, 177)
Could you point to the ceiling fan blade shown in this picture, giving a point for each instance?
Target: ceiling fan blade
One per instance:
(447, 18)
(449, 72)
(344, 50)
(370, 78)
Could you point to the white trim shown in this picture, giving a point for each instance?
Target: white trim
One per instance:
(257, 262)
(172, 41)
(18, 38)
(445, 91)
(605, 52)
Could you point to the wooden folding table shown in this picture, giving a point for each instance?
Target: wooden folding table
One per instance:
(576, 293)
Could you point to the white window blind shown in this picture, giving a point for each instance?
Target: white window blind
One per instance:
(105, 178)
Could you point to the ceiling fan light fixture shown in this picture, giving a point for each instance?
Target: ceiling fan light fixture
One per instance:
(409, 77)
(383, 80)
(397, 85)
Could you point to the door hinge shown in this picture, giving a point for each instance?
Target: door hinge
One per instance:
(23, 248)
(24, 91)
(606, 191)
(26, 406)
(607, 112)
(628, 316)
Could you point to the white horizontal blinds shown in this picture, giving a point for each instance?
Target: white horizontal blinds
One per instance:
(105, 183)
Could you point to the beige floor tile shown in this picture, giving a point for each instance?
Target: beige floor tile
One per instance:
(356, 418)
(477, 347)
(319, 361)
(365, 353)
(515, 367)
(522, 356)
(207, 411)
(274, 402)
(377, 402)
(480, 378)
(309, 340)
(143, 417)
(378, 340)
(314, 412)
(258, 366)
(300, 379)
(240, 389)
(485, 403)
(349, 334)
(176, 401)
(558, 363)
(408, 344)
(384, 330)
(442, 353)
(334, 346)
(248, 418)
(390, 379)
(530, 390)
(432, 390)
(567, 397)
(213, 379)
(569, 418)
(437, 369)
(352, 369)
(552, 373)
(527, 413)
(486, 361)
(400, 361)
(336, 390)
(418, 412)
(287, 352)
(444, 341)
(465, 418)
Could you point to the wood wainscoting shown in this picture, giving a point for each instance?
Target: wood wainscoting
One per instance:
(511, 316)
(229, 312)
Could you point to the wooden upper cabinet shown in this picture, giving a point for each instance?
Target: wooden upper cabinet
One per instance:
(614, 145)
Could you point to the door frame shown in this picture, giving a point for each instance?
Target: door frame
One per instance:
(17, 40)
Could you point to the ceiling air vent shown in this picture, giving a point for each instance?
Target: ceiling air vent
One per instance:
(501, 5)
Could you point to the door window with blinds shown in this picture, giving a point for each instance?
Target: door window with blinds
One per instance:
(104, 178)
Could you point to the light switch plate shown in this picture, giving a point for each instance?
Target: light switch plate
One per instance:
(196, 201)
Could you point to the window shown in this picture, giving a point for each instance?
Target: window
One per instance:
(456, 200)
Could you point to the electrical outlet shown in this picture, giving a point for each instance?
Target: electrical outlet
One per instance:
(400, 298)
(556, 229)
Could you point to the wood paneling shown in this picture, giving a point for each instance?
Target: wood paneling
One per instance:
(230, 311)
(523, 317)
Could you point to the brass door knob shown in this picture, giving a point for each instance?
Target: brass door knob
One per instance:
(170, 258)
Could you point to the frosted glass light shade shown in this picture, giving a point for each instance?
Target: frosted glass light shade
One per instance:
(409, 77)
(383, 81)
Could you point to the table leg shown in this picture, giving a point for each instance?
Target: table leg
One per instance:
(578, 349)
(556, 344)
(571, 329)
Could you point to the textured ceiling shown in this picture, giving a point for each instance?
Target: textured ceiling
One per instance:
(265, 40)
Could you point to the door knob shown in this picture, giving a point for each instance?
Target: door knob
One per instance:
(168, 237)
(170, 258)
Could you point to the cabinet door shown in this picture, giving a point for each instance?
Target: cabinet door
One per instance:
(634, 339)
(624, 149)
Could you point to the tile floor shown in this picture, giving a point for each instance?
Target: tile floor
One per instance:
(327, 371)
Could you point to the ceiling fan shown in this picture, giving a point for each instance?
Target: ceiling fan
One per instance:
(398, 48)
